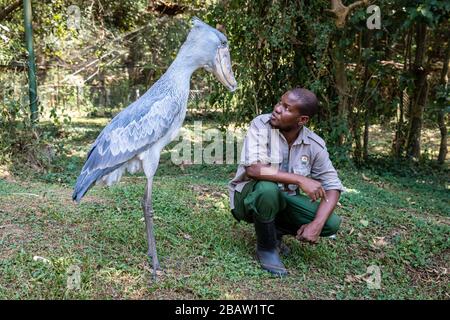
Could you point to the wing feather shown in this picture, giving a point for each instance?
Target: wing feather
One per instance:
(132, 131)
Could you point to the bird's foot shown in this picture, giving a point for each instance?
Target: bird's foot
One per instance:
(154, 272)
(155, 268)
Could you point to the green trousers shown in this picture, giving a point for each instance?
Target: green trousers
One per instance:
(266, 202)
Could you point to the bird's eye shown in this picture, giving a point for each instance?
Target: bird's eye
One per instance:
(223, 43)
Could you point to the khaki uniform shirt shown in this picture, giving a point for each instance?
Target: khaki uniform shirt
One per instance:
(307, 156)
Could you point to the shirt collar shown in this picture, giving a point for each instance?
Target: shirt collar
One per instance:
(302, 135)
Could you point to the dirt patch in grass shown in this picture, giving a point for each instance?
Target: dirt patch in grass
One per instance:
(64, 196)
(41, 195)
(12, 236)
(121, 285)
(205, 193)
(436, 274)
(272, 288)
(5, 174)
(427, 216)
(48, 215)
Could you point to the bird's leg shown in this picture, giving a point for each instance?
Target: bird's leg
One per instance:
(148, 215)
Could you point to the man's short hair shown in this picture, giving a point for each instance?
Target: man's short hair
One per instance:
(308, 102)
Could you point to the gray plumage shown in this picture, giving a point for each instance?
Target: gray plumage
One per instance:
(134, 138)
(131, 132)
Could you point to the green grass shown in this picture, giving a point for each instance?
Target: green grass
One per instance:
(396, 220)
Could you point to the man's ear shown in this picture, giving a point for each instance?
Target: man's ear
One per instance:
(302, 120)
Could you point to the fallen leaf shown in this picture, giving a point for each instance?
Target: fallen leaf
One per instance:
(380, 242)
(365, 223)
(187, 236)
(42, 259)
(353, 278)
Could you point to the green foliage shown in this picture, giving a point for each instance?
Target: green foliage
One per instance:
(270, 46)
(278, 45)
(275, 46)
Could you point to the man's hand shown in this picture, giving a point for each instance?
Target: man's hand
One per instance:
(312, 188)
(309, 232)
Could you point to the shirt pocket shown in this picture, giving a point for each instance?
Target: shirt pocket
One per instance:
(302, 169)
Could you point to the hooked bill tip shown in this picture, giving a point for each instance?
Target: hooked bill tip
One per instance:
(232, 88)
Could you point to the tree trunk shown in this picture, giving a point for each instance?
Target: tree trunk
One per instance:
(441, 115)
(341, 12)
(421, 92)
(400, 134)
(366, 137)
(399, 140)
(443, 129)
(341, 88)
(132, 62)
(357, 153)
(369, 104)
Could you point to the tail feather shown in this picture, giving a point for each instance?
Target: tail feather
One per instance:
(84, 183)
(87, 180)
(91, 172)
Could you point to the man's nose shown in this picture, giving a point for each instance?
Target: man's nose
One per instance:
(277, 108)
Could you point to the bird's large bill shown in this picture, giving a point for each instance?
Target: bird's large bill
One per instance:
(222, 69)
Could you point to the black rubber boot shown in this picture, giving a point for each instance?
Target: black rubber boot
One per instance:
(266, 248)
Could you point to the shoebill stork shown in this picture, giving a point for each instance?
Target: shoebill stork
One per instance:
(134, 138)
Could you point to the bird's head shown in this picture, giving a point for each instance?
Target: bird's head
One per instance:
(209, 48)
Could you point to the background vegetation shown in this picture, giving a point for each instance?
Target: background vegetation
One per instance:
(395, 77)
(384, 106)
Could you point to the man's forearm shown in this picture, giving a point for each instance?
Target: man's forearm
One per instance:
(311, 187)
(326, 208)
(260, 171)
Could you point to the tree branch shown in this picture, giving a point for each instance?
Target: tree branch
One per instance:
(341, 12)
(170, 9)
(5, 12)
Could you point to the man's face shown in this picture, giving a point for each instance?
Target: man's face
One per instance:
(286, 113)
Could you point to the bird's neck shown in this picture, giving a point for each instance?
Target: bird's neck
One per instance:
(182, 69)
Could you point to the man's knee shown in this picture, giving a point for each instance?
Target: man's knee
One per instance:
(265, 200)
(268, 193)
(267, 188)
(331, 226)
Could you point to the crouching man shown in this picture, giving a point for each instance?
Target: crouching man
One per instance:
(286, 183)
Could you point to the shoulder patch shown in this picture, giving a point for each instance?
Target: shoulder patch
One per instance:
(261, 121)
(314, 137)
(263, 118)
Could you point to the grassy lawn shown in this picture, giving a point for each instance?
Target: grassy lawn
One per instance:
(397, 221)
